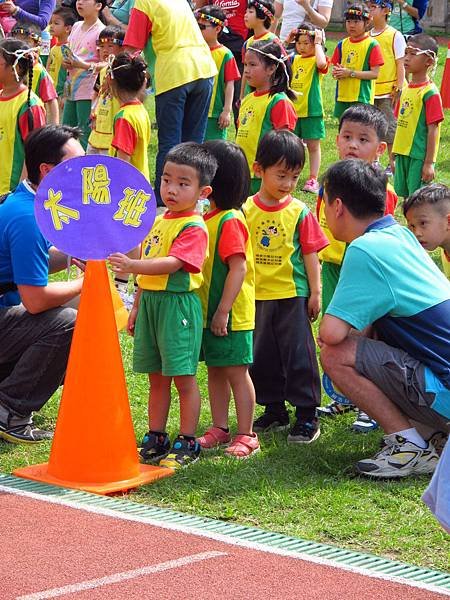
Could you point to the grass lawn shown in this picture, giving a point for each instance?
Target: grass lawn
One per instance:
(310, 492)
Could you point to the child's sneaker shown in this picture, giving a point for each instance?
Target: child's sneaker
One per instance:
(363, 423)
(243, 446)
(214, 437)
(312, 185)
(271, 421)
(154, 446)
(398, 458)
(334, 409)
(183, 453)
(304, 432)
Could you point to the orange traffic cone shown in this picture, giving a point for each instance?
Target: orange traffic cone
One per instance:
(445, 85)
(94, 447)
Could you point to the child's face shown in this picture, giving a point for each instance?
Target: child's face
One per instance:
(250, 18)
(414, 62)
(209, 31)
(106, 48)
(377, 12)
(430, 226)
(355, 27)
(258, 74)
(88, 8)
(305, 45)
(57, 27)
(277, 180)
(180, 187)
(356, 140)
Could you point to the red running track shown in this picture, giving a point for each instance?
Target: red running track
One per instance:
(47, 547)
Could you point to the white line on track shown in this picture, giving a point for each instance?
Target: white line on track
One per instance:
(119, 577)
(226, 539)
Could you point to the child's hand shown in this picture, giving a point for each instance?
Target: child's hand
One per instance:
(427, 172)
(291, 36)
(314, 306)
(340, 72)
(120, 263)
(318, 36)
(219, 323)
(132, 320)
(224, 120)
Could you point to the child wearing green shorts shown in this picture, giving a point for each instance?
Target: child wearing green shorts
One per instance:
(309, 65)
(228, 302)
(419, 115)
(211, 20)
(166, 318)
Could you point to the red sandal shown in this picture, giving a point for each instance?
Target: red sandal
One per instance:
(243, 446)
(214, 437)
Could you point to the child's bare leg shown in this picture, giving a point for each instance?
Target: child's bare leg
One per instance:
(314, 157)
(189, 395)
(219, 396)
(244, 397)
(158, 402)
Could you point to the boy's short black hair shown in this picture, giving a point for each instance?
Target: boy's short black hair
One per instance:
(368, 115)
(231, 183)
(196, 156)
(211, 10)
(360, 185)
(436, 195)
(357, 11)
(111, 33)
(67, 15)
(424, 42)
(264, 9)
(280, 145)
(45, 145)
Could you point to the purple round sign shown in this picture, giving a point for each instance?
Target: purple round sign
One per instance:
(91, 206)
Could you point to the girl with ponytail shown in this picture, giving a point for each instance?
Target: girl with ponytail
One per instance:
(21, 110)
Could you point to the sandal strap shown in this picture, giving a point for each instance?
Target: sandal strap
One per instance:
(243, 443)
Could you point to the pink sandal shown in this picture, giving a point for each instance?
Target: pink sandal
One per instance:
(243, 446)
(214, 437)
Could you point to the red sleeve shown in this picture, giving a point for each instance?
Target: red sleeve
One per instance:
(47, 90)
(376, 56)
(335, 57)
(38, 113)
(232, 240)
(190, 247)
(283, 115)
(125, 137)
(397, 107)
(231, 71)
(433, 109)
(312, 238)
(324, 71)
(391, 202)
(138, 31)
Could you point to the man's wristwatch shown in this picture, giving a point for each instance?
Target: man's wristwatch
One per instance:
(405, 5)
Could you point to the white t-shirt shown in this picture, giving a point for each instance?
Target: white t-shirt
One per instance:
(293, 14)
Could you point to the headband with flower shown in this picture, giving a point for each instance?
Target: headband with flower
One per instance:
(262, 8)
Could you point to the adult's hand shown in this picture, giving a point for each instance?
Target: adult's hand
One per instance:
(9, 7)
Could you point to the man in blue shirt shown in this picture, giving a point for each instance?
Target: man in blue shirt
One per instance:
(389, 289)
(35, 329)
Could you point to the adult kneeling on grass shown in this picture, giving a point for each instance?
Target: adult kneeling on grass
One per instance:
(35, 329)
(390, 289)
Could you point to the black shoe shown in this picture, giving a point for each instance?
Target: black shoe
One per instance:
(154, 447)
(183, 453)
(270, 421)
(304, 432)
(24, 434)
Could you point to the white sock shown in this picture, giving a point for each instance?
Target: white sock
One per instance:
(412, 435)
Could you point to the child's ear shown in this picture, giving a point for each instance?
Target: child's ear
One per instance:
(257, 170)
(381, 149)
(205, 191)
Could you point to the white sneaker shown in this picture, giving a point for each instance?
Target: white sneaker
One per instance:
(399, 458)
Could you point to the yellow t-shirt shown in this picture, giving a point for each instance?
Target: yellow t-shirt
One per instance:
(132, 135)
(173, 45)
(105, 110)
(158, 244)
(387, 76)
